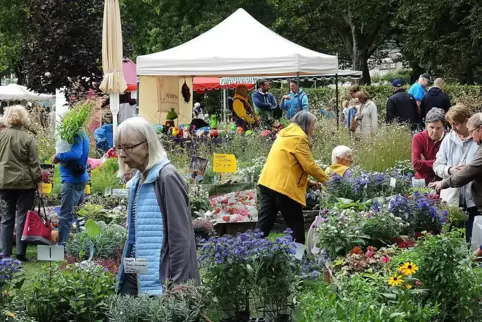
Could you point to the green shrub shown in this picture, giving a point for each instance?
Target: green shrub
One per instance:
(72, 294)
(358, 299)
(107, 245)
(449, 275)
(182, 303)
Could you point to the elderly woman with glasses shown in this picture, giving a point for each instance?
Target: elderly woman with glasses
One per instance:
(284, 178)
(426, 144)
(160, 231)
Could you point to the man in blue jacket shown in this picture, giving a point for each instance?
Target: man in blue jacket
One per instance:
(263, 101)
(74, 177)
(289, 103)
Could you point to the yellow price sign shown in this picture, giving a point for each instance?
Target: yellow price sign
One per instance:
(224, 163)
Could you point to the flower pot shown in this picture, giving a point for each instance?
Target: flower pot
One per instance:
(46, 188)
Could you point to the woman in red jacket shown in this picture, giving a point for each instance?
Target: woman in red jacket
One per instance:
(426, 144)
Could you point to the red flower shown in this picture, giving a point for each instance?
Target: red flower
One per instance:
(386, 259)
(356, 250)
(226, 218)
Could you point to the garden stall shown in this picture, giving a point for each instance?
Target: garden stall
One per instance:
(163, 74)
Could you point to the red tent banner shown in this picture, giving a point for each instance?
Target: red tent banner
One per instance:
(206, 84)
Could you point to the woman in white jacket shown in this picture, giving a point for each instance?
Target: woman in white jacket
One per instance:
(367, 115)
(457, 150)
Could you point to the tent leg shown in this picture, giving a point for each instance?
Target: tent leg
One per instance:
(336, 103)
(298, 86)
(225, 102)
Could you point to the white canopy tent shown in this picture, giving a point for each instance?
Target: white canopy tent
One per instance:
(15, 92)
(215, 53)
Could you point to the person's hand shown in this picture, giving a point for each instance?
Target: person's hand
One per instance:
(456, 169)
(437, 185)
(39, 189)
(54, 159)
(313, 184)
(286, 97)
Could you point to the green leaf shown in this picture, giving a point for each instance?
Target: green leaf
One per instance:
(92, 229)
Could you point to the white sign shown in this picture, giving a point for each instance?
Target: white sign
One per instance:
(418, 183)
(393, 182)
(50, 253)
(135, 265)
(119, 192)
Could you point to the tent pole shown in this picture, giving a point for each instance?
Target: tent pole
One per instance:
(225, 101)
(298, 86)
(336, 103)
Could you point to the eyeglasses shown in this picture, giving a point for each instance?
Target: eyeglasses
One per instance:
(128, 148)
(473, 130)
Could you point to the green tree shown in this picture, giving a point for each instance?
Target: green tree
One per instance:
(162, 24)
(12, 30)
(442, 37)
(354, 30)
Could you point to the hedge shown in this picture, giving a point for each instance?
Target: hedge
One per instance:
(324, 97)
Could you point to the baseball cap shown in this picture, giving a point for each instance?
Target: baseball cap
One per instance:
(398, 83)
(427, 76)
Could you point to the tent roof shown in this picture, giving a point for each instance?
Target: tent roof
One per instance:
(217, 53)
(15, 92)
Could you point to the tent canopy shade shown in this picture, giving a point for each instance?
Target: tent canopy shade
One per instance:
(211, 54)
(340, 73)
(15, 92)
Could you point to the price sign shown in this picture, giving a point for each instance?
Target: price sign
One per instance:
(135, 265)
(224, 163)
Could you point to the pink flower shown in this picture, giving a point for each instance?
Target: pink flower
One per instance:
(418, 283)
(386, 259)
(369, 253)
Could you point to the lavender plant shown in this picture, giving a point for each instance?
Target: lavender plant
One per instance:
(419, 211)
(240, 269)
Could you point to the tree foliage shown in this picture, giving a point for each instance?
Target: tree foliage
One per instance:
(443, 37)
(354, 30)
(63, 45)
(12, 22)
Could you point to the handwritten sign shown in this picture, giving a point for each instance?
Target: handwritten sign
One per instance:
(135, 265)
(168, 89)
(224, 163)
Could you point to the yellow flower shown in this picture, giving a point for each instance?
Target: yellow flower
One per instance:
(408, 286)
(408, 268)
(10, 314)
(395, 280)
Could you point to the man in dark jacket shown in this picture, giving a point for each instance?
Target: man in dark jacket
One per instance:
(435, 97)
(263, 101)
(402, 106)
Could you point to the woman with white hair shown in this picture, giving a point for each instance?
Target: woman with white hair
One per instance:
(284, 178)
(159, 218)
(426, 144)
(341, 159)
(20, 176)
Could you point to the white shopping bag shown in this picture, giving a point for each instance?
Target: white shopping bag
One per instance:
(476, 241)
(62, 146)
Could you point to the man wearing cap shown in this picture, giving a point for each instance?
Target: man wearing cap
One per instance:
(418, 89)
(402, 106)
